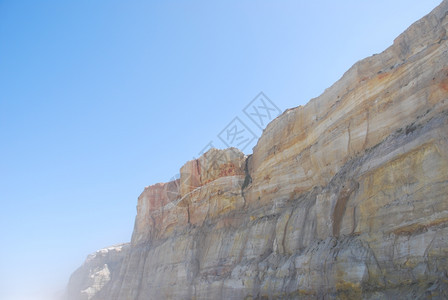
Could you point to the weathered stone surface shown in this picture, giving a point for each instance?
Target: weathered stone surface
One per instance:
(345, 197)
(157, 213)
(208, 186)
(212, 165)
(90, 280)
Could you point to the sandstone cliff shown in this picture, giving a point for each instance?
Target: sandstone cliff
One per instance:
(345, 197)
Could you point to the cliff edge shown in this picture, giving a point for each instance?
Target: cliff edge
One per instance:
(345, 197)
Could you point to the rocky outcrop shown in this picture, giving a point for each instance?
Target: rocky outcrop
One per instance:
(98, 270)
(345, 197)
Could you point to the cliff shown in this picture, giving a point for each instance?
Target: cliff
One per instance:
(345, 197)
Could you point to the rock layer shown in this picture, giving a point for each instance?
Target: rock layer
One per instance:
(345, 197)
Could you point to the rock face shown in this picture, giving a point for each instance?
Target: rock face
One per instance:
(345, 197)
(97, 271)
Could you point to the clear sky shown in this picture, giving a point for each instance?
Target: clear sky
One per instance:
(99, 99)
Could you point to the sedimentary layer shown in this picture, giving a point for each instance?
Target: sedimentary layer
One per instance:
(345, 197)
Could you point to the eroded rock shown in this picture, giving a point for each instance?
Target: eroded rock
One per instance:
(345, 197)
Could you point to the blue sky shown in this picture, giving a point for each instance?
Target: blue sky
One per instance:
(99, 99)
